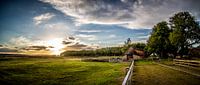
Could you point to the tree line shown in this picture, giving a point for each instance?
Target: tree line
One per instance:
(174, 37)
(108, 51)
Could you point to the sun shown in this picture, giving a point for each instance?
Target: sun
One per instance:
(57, 46)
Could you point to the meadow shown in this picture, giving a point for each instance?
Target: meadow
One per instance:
(150, 73)
(78, 71)
(59, 71)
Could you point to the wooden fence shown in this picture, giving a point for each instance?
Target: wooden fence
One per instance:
(187, 63)
(128, 77)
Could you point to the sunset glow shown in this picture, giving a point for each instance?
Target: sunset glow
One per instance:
(57, 46)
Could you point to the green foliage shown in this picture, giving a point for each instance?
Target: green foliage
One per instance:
(138, 46)
(59, 71)
(186, 32)
(181, 33)
(158, 41)
(109, 51)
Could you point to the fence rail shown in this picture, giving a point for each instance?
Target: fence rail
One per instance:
(127, 80)
(187, 63)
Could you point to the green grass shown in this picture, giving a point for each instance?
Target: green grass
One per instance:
(195, 70)
(149, 73)
(59, 71)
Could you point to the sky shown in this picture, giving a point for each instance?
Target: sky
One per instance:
(54, 26)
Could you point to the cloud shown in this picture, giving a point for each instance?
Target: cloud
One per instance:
(76, 46)
(56, 26)
(66, 43)
(144, 37)
(112, 36)
(36, 48)
(79, 46)
(23, 44)
(90, 31)
(20, 41)
(6, 49)
(127, 13)
(73, 43)
(71, 38)
(42, 18)
(86, 37)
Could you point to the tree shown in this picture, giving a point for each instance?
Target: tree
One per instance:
(128, 41)
(186, 32)
(139, 46)
(127, 45)
(158, 42)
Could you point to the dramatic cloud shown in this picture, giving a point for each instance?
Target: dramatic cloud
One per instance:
(20, 41)
(25, 44)
(79, 46)
(29, 48)
(54, 46)
(42, 18)
(5, 49)
(66, 43)
(70, 41)
(73, 43)
(71, 38)
(128, 13)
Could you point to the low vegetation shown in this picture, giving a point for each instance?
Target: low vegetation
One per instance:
(109, 51)
(149, 73)
(59, 71)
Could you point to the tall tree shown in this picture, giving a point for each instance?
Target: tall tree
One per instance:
(128, 41)
(186, 32)
(126, 46)
(158, 42)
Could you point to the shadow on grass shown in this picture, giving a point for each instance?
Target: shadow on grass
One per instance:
(149, 73)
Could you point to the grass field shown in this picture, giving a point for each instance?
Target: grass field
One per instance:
(149, 73)
(170, 63)
(59, 71)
